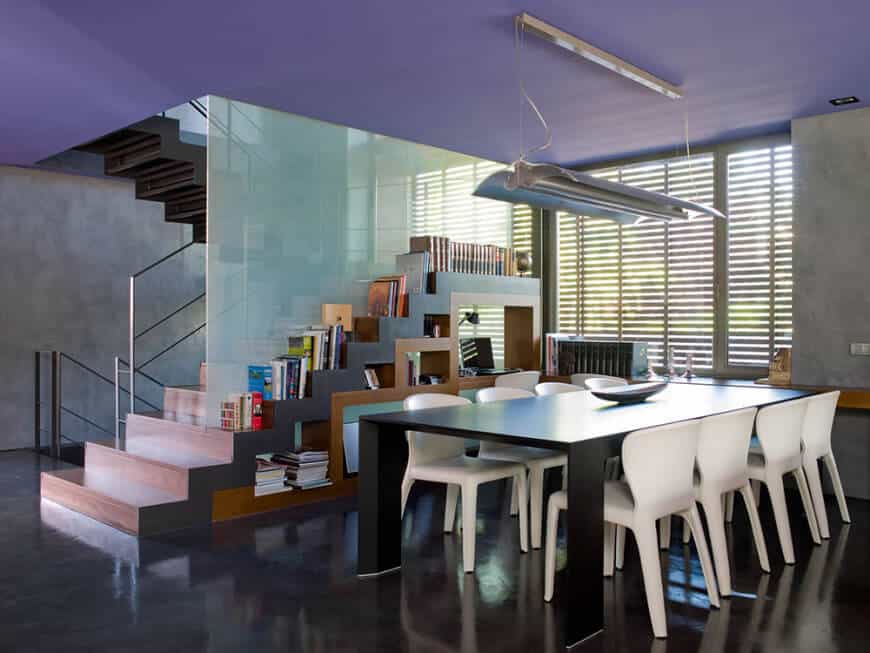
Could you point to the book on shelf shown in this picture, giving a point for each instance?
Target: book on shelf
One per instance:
(569, 354)
(388, 296)
(372, 380)
(413, 362)
(415, 267)
(447, 255)
(269, 477)
(242, 412)
(303, 468)
(229, 416)
(260, 380)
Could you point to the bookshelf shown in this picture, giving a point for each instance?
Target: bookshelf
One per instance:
(382, 344)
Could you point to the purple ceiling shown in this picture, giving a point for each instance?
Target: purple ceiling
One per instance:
(441, 73)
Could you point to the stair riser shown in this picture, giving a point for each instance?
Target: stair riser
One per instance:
(165, 433)
(90, 503)
(140, 470)
(185, 402)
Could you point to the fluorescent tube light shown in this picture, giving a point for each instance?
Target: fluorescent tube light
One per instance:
(550, 187)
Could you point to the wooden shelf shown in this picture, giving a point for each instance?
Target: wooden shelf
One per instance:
(240, 501)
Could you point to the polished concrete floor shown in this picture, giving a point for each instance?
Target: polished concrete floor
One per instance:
(286, 582)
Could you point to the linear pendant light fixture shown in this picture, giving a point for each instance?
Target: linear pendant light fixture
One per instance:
(548, 186)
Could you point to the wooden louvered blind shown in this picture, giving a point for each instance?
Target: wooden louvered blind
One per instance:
(646, 282)
(442, 204)
(759, 254)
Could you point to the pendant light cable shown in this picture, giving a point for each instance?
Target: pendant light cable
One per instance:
(689, 162)
(518, 43)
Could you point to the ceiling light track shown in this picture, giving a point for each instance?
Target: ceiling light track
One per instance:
(598, 56)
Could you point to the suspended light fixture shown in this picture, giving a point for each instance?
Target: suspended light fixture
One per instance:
(548, 186)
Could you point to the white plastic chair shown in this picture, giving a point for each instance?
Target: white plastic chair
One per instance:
(648, 495)
(582, 380)
(537, 461)
(522, 380)
(779, 428)
(442, 459)
(816, 438)
(555, 388)
(723, 446)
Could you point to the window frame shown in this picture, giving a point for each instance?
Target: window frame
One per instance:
(720, 152)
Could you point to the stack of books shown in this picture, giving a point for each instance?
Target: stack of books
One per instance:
(304, 469)
(388, 297)
(566, 355)
(242, 412)
(286, 376)
(445, 255)
(269, 478)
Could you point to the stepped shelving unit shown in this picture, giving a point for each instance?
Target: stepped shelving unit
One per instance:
(174, 472)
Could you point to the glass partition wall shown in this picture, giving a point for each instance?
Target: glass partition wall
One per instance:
(301, 213)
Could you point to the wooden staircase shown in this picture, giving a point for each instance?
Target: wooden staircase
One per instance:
(165, 169)
(154, 481)
(174, 472)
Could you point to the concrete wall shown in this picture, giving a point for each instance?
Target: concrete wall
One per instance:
(67, 245)
(832, 283)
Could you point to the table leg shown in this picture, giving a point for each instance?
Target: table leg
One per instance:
(582, 593)
(383, 455)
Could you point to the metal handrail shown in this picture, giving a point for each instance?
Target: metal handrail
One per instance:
(170, 347)
(133, 368)
(84, 419)
(56, 402)
(147, 268)
(170, 316)
(107, 379)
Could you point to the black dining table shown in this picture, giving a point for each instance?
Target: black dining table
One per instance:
(586, 428)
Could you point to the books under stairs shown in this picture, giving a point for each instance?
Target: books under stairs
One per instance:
(174, 471)
(166, 473)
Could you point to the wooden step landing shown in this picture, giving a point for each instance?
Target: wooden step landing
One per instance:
(185, 400)
(106, 497)
(185, 434)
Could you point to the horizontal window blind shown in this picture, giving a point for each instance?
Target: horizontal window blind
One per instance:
(442, 204)
(759, 254)
(645, 282)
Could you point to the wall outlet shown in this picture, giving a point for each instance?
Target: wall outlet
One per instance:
(859, 349)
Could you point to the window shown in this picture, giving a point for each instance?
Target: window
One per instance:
(657, 283)
(646, 282)
(442, 204)
(759, 254)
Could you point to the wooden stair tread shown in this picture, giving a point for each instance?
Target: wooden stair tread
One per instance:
(187, 388)
(170, 416)
(118, 490)
(142, 448)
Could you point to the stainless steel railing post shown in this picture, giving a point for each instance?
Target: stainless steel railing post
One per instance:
(132, 349)
(37, 405)
(117, 404)
(55, 404)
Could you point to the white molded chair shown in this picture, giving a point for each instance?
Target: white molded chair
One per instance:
(537, 461)
(555, 388)
(648, 495)
(723, 446)
(522, 380)
(581, 380)
(779, 428)
(442, 459)
(816, 438)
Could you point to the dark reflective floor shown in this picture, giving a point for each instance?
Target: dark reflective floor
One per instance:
(286, 582)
